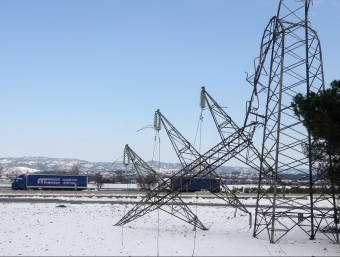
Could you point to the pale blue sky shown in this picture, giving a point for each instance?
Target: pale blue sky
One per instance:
(80, 77)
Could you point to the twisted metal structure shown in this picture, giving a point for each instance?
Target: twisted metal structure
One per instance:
(226, 126)
(272, 140)
(197, 169)
(290, 61)
(177, 208)
(188, 155)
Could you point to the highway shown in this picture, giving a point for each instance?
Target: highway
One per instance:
(91, 197)
(111, 197)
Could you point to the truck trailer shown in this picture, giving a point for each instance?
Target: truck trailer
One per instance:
(47, 181)
(193, 185)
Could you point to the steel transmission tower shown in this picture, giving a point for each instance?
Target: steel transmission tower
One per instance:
(151, 201)
(188, 155)
(290, 62)
(197, 169)
(226, 126)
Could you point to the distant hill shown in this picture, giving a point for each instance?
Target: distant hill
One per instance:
(29, 164)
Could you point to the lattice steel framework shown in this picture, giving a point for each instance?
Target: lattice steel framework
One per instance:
(177, 208)
(215, 157)
(226, 126)
(290, 62)
(188, 155)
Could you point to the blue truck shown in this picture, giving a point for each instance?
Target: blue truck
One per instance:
(47, 181)
(193, 185)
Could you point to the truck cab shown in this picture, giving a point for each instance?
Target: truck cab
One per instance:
(19, 183)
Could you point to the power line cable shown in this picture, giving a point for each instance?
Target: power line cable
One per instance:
(159, 169)
(193, 251)
(199, 150)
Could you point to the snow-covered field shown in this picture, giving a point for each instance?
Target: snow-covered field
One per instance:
(51, 229)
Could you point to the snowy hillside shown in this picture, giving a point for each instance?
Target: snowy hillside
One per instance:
(35, 164)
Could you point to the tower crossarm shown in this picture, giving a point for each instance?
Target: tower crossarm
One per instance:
(189, 156)
(178, 208)
(216, 156)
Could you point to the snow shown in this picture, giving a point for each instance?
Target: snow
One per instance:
(69, 229)
(120, 186)
(20, 170)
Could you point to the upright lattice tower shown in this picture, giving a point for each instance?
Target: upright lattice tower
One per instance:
(290, 62)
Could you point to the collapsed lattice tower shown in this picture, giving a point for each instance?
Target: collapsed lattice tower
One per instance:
(290, 62)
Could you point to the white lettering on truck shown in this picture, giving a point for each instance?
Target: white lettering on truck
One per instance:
(49, 181)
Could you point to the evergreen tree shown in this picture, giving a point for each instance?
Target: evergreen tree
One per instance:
(320, 114)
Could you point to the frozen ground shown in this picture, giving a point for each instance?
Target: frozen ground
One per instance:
(48, 229)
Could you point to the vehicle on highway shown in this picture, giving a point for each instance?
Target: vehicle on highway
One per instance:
(49, 181)
(193, 185)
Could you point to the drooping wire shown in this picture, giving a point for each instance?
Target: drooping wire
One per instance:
(200, 144)
(199, 127)
(157, 128)
(126, 162)
(117, 159)
(122, 235)
(193, 250)
(154, 147)
(158, 235)
(159, 169)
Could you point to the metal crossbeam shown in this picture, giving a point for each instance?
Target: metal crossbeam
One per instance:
(216, 156)
(186, 152)
(177, 208)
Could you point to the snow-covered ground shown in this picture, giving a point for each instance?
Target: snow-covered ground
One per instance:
(51, 229)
